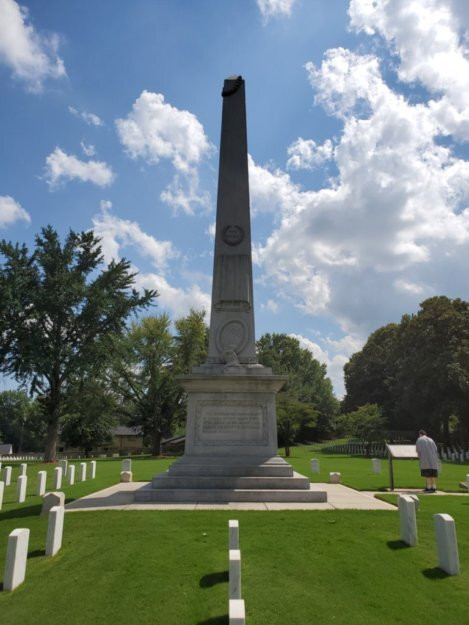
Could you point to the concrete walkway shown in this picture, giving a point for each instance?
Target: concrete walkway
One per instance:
(121, 497)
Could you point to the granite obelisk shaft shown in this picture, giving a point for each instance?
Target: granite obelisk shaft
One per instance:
(232, 337)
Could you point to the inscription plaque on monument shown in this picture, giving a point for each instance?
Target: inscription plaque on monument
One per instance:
(236, 422)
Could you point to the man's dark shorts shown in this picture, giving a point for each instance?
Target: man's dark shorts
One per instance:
(429, 473)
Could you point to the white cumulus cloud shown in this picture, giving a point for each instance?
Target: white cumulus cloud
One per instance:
(430, 39)
(116, 233)
(11, 211)
(272, 8)
(156, 130)
(31, 56)
(88, 150)
(62, 167)
(307, 154)
(89, 118)
(178, 301)
(393, 226)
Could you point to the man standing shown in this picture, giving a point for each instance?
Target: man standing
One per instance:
(428, 459)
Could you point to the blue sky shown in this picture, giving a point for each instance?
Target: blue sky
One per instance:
(358, 128)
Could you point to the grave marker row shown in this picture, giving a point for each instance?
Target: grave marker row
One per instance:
(17, 547)
(445, 533)
(236, 607)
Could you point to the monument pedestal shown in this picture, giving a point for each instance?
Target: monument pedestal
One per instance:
(231, 444)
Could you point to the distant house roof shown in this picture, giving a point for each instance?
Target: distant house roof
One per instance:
(124, 430)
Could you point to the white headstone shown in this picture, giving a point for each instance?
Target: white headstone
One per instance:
(235, 574)
(15, 563)
(462, 457)
(2, 490)
(127, 465)
(50, 500)
(416, 501)
(82, 471)
(376, 465)
(93, 469)
(126, 476)
(7, 476)
(21, 486)
(237, 613)
(64, 465)
(334, 477)
(408, 520)
(446, 543)
(71, 474)
(23, 468)
(41, 483)
(55, 530)
(314, 465)
(233, 534)
(58, 477)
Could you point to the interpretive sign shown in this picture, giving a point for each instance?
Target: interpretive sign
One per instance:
(401, 452)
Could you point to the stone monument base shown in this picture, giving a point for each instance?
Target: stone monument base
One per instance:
(231, 445)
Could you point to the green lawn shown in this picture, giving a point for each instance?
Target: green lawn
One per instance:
(170, 567)
(356, 471)
(107, 474)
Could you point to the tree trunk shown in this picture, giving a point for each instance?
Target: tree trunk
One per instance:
(156, 443)
(446, 430)
(51, 442)
(287, 449)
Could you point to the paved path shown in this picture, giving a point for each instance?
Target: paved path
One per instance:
(121, 497)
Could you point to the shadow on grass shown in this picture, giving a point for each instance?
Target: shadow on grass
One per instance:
(207, 581)
(435, 573)
(397, 544)
(37, 553)
(215, 620)
(18, 513)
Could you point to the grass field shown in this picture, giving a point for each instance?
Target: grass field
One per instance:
(356, 471)
(170, 568)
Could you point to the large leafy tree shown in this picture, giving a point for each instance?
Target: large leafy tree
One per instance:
(292, 415)
(21, 422)
(307, 382)
(365, 423)
(58, 314)
(370, 372)
(431, 378)
(417, 370)
(90, 414)
(144, 375)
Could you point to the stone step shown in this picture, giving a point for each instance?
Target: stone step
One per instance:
(215, 495)
(167, 480)
(231, 470)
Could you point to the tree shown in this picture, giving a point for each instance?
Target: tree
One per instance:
(307, 381)
(58, 314)
(431, 380)
(369, 373)
(366, 423)
(292, 415)
(417, 370)
(144, 376)
(21, 424)
(90, 414)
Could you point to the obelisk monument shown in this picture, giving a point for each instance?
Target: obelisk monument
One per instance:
(231, 432)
